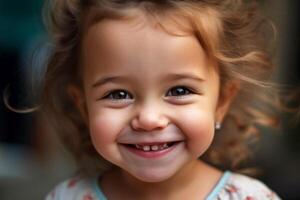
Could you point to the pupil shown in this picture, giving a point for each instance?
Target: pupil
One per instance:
(179, 91)
(120, 95)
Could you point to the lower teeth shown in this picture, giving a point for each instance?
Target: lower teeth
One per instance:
(152, 148)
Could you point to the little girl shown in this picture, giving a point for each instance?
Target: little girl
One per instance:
(157, 99)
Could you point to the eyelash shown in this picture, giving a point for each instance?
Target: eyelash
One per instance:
(110, 95)
(187, 91)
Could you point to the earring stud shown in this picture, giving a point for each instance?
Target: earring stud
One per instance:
(218, 126)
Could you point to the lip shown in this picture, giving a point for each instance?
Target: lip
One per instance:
(151, 154)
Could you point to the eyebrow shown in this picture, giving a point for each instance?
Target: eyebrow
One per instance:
(170, 77)
(107, 79)
(179, 76)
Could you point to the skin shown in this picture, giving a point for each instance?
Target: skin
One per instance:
(143, 85)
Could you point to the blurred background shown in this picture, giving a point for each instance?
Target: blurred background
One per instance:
(32, 159)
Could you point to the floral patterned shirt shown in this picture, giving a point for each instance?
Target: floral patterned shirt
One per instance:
(231, 186)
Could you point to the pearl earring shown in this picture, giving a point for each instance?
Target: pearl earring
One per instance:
(218, 126)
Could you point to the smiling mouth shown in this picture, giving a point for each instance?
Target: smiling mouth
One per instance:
(152, 147)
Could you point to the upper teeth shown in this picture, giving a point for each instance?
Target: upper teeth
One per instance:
(152, 147)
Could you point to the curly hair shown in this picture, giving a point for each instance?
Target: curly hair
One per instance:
(232, 32)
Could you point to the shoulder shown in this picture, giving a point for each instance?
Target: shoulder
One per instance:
(239, 186)
(76, 188)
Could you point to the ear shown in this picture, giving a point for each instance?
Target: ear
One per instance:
(225, 99)
(77, 96)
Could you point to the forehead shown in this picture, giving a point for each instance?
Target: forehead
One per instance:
(125, 29)
(140, 45)
(123, 41)
(172, 21)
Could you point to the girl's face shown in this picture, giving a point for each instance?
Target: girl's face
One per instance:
(151, 97)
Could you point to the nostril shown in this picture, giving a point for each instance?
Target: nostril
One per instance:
(149, 124)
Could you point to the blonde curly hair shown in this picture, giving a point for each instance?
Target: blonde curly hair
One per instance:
(232, 32)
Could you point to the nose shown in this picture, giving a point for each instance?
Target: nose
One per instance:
(149, 118)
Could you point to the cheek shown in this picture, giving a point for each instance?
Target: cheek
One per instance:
(198, 127)
(105, 127)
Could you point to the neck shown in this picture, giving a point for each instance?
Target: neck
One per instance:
(166, 187)
(194, 178)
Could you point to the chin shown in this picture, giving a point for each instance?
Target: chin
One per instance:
(153, 176)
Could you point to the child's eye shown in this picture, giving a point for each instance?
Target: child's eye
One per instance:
(179, 91)
(118, 95)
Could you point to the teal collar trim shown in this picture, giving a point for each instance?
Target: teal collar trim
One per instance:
(220, 185)
(98, 191)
